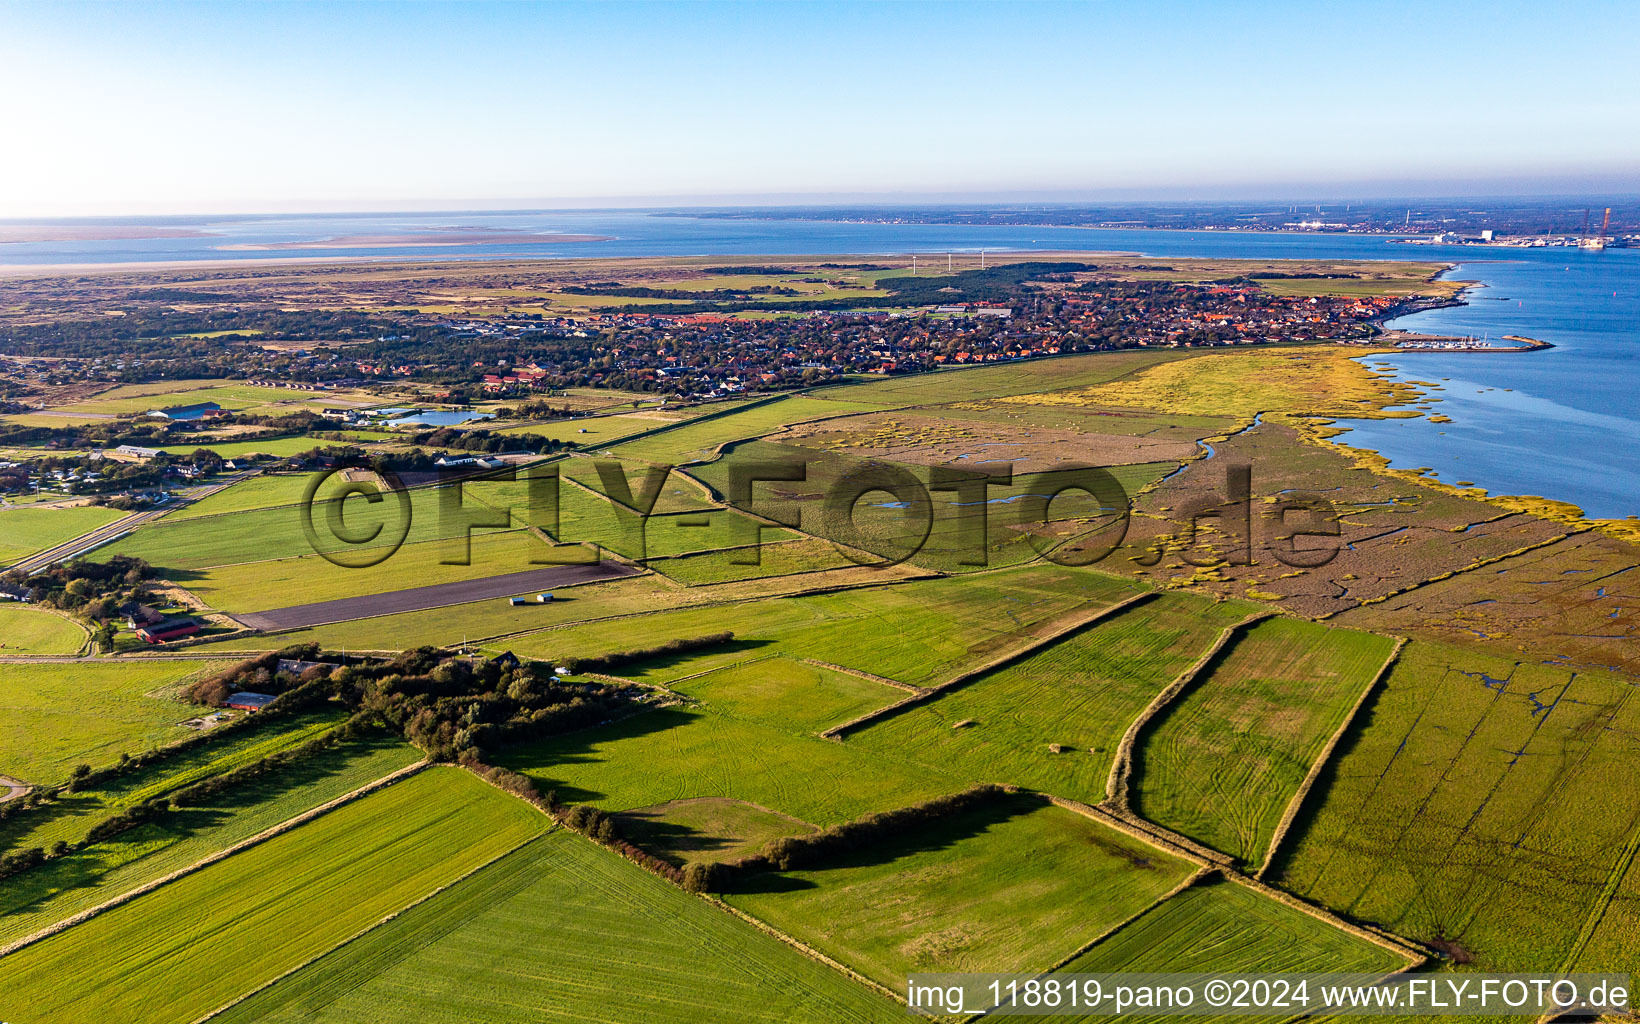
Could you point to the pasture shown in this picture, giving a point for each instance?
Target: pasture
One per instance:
(303, 579)
(35, 631)
(1221, 763)
(60, 715)
(26, 531)
(995, 381)
(701, 440)
(94, 874)
(1485, 806)
(279, 532)
(774, 558)
(1221, 926)
(921, 632)
(529, 940)
(705, 829)
(788, 694)
(71, 815)
(205, 940)
(265, 491)
(1080, 693)
(1014, 887)
(677, 753)
(594, 431)
(139, 398)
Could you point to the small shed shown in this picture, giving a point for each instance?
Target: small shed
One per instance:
(516, 601)
(543, 598)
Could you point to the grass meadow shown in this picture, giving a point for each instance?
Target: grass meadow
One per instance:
(995, 381)
(1016, 887)
(281, 582)
(561, 930)
(678, 753)
(922, 632)
(1080, 693)
(139, 398)
(62, 714)
(1487, 805)
(695, 442)
(1220, 926)
(788, 694)
(776, 558)
(1222, 762)
(92, 875)
(72, 814)
(203, 941)
(26, 531)
(34, 631)
(705, 829)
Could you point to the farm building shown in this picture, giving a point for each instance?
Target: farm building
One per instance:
(136, 452)
(168, 629)
(247, 701)
(197, 411)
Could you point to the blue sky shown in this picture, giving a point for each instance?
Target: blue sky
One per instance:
(238, 107)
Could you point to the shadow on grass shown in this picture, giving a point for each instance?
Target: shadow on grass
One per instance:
(924, 837)
(662, 663)
(538, 759)
(91, 866)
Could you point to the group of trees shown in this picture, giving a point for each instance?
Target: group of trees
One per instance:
(94, 591)
(451, 707)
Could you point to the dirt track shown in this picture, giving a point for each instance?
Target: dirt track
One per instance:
(437, 596)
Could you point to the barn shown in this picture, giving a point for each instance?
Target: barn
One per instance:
(167, 629)
(248, 701)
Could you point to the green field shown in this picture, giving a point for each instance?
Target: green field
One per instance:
(1223, 761)
(960, 530)
(775, 558)
(139, 398)
(561, 930)
(87, 877)
(788, 694)
(695, 442)
(705, 829)
(1016, 887)
(33, 631)
(1018, 378)
(594, 431)
(1487, 804)
(677, 493)
(1080, 693)
(588, 517)
(25, 531)
(60, 715)
(923, 632)
(680, 754)
(72, 814)
(1221, 926)
(265, 491)
(203, 941)
(277, 583)
(260, 534)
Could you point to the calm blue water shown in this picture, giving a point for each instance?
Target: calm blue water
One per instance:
(1568, 429)
(435, 417)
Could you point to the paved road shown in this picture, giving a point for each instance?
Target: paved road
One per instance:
(97, 538)
(437, 596)
(10, 788)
